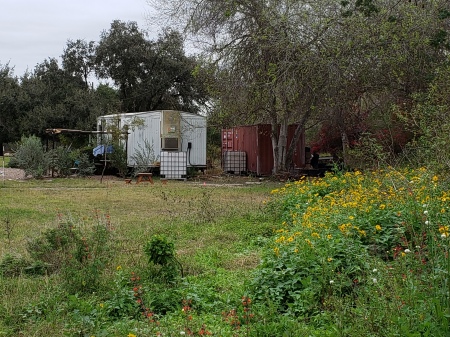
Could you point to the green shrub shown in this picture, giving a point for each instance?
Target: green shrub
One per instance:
(61, 160)
(78, 253)
(144, 157)
(12, 265)
(30, 157)
(119, 159)
(162, 252)
(121, 301)
(85, 165)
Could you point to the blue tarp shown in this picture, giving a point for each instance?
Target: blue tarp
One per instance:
(99, 150)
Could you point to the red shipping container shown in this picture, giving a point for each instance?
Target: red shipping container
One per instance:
(255, 141)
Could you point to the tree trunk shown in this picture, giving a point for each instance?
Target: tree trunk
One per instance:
(293, 145)
(279, 143)
(274, 137)
(345, 147)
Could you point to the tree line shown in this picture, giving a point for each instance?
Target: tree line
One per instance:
(134, 73)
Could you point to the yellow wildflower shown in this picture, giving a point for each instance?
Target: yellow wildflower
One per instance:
(119, 268)
(444, 230)
(280, 239)
(378, 228)
(131, 335)
(277, 251)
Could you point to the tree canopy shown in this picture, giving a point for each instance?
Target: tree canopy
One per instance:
(339, 64)
(131, 72)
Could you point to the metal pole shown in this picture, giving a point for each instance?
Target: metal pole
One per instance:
(3, 172)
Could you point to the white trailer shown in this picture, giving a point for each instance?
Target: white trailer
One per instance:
(169, 133)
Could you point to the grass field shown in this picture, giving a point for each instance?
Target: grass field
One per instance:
(214, 225)
(350, 254)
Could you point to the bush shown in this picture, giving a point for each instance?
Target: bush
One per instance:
(61, 160)
(12, 265)
(144, 157)
(85, 165)
(78, 253)
(119, 159)
(162, 252)
(30, 157)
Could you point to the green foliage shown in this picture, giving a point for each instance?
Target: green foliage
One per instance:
(84, 165)
(121, 301)
(355, 247)
(429, 122)
(150, 75)
(368, 153)
(12, 265)
(119, 158)
(162, 299)
(161, 252)
(30, 157)
(144, 157)
(78, 253)
(61, 160)
(297, 281)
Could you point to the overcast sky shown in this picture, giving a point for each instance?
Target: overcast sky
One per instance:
(34, 30)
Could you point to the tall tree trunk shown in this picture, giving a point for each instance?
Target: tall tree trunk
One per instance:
(274, 138)
(282, 144)
(279, 144)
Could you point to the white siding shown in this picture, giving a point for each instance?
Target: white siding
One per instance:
(193, 131)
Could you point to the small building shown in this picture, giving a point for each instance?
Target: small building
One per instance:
(248, 149)
(176, 139)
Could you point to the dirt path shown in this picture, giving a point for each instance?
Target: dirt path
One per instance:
(11, 173)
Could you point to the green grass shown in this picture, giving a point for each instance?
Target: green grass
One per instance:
(318, 257)
(215, 229)
(5, 160)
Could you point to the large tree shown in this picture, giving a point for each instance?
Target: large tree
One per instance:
(78, 59)
(326, 61)
(379, 54)
(267, 59)
(54, 98)
(9, 108)
(149, 74)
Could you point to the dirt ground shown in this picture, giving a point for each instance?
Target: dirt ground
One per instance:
(11, 173)
(212, 177)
